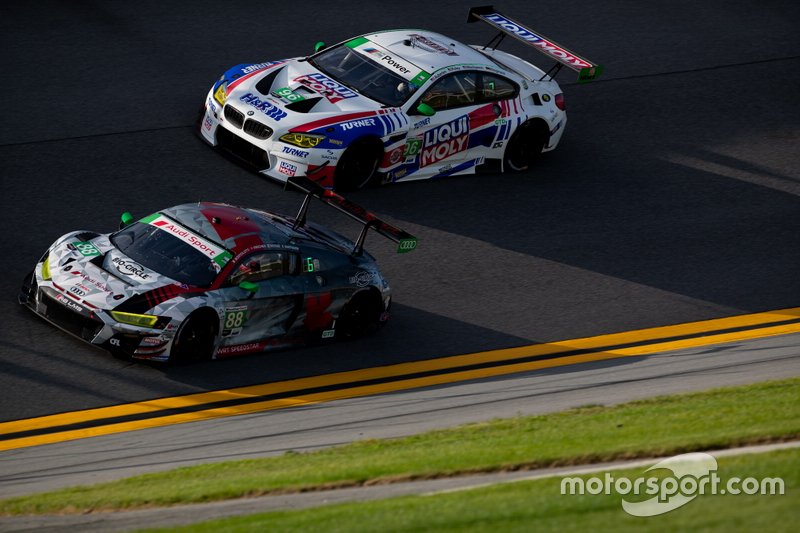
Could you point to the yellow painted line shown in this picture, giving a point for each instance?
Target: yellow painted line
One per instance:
(509, 354)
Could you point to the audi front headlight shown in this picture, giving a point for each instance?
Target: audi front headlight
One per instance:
(144, 321)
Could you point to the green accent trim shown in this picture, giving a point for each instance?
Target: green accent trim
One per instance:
(223, 258)
(86, 248)
(426, 110)
(407, 245)
(356, 42)
(249, 286)
(421, 78)
(148, 219)
(588, 74)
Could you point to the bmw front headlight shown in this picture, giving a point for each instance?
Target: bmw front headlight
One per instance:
(221, 94)
(303, 140)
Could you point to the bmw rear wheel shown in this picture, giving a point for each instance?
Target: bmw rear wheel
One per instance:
(358, 164)
(524, 147)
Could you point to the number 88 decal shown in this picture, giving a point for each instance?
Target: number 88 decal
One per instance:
(235, 319)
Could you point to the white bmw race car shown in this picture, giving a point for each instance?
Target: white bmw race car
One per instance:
(395, 106)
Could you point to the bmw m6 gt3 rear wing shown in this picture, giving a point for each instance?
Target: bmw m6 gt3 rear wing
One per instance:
(405, 241)
(587, 70)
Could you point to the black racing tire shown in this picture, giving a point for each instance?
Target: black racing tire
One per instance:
(359, 316)
(194, 340)
(525, 147)
(358, 164)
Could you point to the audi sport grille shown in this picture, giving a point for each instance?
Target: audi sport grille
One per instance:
(78, 325)
(257, 129)
(234, 116)
(242, 150)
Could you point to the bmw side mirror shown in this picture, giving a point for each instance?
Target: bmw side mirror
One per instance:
(425, 109)
(125, 219)
(320, 46)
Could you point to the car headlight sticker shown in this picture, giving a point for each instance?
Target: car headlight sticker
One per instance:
(221, 94)
(303, 140)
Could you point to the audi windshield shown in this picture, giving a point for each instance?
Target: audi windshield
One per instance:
(171, 250)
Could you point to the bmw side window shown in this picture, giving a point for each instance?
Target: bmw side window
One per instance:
(455, 90)
(496, 88)
(260, 266)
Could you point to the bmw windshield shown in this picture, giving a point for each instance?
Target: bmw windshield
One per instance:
(170, 253)
(371, 71)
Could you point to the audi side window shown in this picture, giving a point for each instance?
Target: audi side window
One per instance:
(496, 88)
(455, 90)
(260, 266)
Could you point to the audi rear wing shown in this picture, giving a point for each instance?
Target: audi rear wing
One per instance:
(587, 70)
(405, 241)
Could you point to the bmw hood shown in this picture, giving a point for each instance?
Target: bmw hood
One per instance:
(294, 88)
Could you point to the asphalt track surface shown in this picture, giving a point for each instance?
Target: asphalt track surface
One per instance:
(674, 196)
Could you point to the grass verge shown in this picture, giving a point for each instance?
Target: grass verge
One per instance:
(539, 506)
(719, 418)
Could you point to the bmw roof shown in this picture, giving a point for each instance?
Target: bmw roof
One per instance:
(428, 50)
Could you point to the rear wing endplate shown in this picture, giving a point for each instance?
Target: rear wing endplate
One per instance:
(405, 241)
(587, 70)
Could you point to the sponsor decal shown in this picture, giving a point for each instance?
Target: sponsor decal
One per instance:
(287, 168)
(422, 123)
(288, 95)
(207, 124)
(396, 155)
(212, 106)
(406, 245)
(536, 40)
(330, 155)
(153, 341)
(234, 320)
(218, 255)
(362, 278)
(259, 66)
(445, 141)
(363, 123)
(295, 152)
(250, 347)
(337, 142)
(69, 303)
(86, 249)
(426, 43)
(500, 121)
(380, 55)
(325, 86)
(328, 333)
(130, 268)
(78, 291)
(115, 342)
(272, 111)
(90, 280)
(498, 144)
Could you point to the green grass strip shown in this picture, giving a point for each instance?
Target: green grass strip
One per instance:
(719, 418)
(539, 506)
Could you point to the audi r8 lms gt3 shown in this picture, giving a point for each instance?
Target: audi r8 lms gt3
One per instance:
(206, 280)
(400, 105)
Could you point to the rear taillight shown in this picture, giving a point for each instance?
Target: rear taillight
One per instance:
(560, 102)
